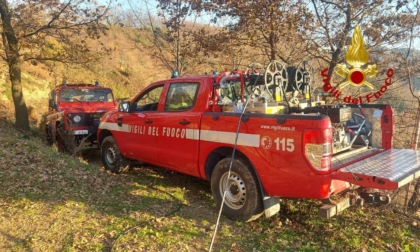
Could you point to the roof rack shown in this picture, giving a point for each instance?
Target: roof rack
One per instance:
(78, 85)
(97, 84)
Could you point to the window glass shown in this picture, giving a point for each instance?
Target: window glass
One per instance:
(149, 100)
(52, 99)
(181, 96)
(230, 91)
(85, 95)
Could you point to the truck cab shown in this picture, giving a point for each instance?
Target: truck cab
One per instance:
(166, 115)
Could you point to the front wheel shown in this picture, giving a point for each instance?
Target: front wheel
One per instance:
(243, 199)
(48, 135)
(111, 156)
(65, 143)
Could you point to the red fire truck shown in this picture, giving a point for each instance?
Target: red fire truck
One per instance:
(74, 112)
(258, 135)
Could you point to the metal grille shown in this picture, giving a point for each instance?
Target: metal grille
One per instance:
(88, 119)
(92, 119)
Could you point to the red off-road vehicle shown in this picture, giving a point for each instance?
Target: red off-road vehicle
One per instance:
(74, 112)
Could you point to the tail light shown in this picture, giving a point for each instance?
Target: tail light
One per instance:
(317, 148)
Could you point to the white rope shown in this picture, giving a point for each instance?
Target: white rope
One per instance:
(229, 172)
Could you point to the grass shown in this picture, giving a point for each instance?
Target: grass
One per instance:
(54, 202)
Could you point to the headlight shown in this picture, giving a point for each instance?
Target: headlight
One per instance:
(77, 118)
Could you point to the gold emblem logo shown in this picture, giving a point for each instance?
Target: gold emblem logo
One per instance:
(357, 74)
(356, 57)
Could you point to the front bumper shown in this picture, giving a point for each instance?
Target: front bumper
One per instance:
(84, 132)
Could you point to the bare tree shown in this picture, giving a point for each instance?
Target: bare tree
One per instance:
(171, 29)
(277, 28)
(413, 203)
(46, 30)
(225, 49)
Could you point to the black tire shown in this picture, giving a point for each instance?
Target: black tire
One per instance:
(111, 156)
(48, 135)
(65, 142)
(243, 200)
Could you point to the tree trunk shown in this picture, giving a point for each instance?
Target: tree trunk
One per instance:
(21, 111)
(335, 58)
(413, 203)
(417, 128)
(273, 49)
(11, 46)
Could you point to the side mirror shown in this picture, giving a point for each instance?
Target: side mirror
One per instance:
(51, 103)
(124, 106)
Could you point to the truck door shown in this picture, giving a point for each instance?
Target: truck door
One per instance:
(178, 125)
(141, 139)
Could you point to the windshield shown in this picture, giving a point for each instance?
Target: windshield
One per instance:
(86, 95)
(230, 91)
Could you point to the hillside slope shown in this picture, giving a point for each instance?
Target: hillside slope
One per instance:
(127, 66)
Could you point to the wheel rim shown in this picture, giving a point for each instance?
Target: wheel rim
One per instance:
(111, 156)
(236, 190)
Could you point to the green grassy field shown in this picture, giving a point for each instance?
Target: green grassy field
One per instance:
(54, 202)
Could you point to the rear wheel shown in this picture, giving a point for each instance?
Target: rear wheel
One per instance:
(111, 156)
(243, 199)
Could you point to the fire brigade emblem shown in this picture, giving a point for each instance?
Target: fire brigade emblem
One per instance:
(356, 57)
(266, 142)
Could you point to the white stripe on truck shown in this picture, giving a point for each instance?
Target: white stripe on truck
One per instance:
(114, 127)
(250, 140)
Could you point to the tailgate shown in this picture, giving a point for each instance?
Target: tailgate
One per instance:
(389, 169)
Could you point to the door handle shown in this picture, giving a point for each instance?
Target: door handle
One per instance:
(148, 121)
(184, 122)
(119, 121)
